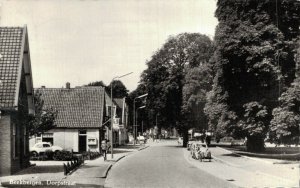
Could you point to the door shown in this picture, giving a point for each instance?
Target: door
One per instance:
(82, 141)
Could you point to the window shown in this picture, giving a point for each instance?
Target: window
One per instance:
(47, 137)
(46, 146)
(82, 132)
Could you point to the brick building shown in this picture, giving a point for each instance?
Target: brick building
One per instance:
(16, 101)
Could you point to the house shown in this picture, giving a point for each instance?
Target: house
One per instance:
(80, 116)
(16, 100)
(120, 119)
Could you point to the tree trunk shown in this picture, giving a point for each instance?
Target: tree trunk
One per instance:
(255, 144)
(185, 137)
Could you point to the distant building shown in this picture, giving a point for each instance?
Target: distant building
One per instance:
(16, 101)
(80, 116)
(120, 119)
(122, 116)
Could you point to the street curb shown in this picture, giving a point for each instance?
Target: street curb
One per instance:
(260, 159)
(143, 148)
(115, 161)
(255, 159)
(107, 170)
(223, 161)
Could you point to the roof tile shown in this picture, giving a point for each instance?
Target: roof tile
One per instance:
(10, 50)
(76, 107)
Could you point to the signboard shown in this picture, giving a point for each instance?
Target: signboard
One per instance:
(92, 141)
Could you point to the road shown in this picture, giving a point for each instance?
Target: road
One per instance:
(161, 165)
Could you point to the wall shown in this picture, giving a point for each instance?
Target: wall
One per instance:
(5, 145)
(68, 139)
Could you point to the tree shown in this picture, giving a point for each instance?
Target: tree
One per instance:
(197, 83)
(43, 120)
(119, 89)
(254, 61)
(164, 77)
(97, 83)
(284, 126)
(286, 119)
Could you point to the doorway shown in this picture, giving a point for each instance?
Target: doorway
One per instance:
(82, 141)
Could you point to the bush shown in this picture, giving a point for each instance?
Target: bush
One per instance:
(63, 155)
(49, 154)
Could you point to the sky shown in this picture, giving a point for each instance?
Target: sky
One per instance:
(82, 41)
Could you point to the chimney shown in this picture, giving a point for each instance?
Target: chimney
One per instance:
(43, 87)
(68, 85)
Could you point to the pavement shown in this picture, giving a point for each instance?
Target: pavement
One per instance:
(92, 173)
(251, 171)
(160, 166)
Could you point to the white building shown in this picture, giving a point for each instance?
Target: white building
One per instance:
(80, 115)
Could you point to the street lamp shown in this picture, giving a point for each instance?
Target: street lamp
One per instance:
(111, 112)
(134, 122)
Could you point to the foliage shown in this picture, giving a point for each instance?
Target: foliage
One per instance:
(164, 76)
(286, 117)
(97, 83)
(197, 83)
(63, 155)
(49, 154)
(254, 61)
(44, 118)
(119, 90)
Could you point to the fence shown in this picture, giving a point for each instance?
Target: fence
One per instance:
(72, 165)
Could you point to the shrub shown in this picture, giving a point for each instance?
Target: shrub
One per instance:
(63, 155)
(49, 154)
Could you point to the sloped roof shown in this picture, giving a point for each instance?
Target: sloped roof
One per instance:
(108, 100)
(119, 102)
(13, 45)
(76, 107)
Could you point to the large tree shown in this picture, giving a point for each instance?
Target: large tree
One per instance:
(164, 77)
(118, 88)
(286, 117)
(44, 118)
(254, 63)
(197, 82)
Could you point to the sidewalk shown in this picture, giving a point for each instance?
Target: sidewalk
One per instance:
(270, 167)
(92, 173)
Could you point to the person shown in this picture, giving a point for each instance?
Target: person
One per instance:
(104, 148)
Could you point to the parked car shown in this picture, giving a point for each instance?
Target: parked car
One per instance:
(200, 151)
(190, 142)
(141, 139)
(43, 147)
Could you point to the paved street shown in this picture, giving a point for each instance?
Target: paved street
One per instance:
(164, 164)
(161, 165)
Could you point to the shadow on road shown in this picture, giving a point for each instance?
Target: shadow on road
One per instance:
(42, 169)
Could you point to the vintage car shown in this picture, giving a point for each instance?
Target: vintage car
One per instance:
(41, 147)
(200, 151)
(190, 142)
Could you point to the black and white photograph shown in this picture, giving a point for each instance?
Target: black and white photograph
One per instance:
(150, 93)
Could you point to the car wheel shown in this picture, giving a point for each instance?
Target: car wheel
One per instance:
(34, 154)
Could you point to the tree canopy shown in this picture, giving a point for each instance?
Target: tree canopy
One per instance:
(119, 89)
(254, 63)
(164, 77)
(43, 120)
